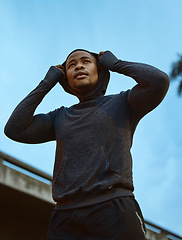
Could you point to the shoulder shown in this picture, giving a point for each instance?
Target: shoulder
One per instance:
(57, 112)
(122, 96)
(115, 101)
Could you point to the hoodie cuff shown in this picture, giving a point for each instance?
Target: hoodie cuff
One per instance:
(53, 76)
(108, 60)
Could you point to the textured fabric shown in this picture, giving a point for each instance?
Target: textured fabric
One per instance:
(93, 160)
(117, 219)
(96, 140)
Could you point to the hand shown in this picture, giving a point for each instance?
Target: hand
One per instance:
(100, 55)
(62, 69)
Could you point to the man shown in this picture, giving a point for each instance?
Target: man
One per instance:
(92, 179)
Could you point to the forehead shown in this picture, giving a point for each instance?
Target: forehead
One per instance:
(78, 55)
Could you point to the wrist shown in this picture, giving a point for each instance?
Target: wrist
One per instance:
(53, 76)
(108, 60)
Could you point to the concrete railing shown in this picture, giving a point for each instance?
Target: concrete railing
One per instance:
(24, 166)
(154, 232)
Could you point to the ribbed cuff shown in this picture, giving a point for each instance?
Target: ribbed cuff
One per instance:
(108, 60)
(53, 76)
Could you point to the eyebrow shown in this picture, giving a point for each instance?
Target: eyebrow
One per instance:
(84, 57)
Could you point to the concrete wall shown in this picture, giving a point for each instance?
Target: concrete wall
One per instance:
(25, 206)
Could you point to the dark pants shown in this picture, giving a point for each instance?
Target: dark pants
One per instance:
(116, 219)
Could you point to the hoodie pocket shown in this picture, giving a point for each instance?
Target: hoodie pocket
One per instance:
(110, 170)
(87, 170)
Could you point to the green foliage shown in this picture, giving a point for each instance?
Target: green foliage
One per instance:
(176, 72)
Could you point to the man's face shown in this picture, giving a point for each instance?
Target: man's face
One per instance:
(81, 71)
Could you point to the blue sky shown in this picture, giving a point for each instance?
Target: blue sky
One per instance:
(37, 34)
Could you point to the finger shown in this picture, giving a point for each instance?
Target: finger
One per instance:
(59, 66)
(100, 54)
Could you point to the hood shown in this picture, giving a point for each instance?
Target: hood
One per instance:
(98, 89)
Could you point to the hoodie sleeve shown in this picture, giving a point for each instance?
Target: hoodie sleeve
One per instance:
(152, 84)
(23, 126)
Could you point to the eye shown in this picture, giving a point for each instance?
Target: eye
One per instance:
(71, 65)
(87, 61)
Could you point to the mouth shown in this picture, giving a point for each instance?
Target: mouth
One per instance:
(80, 75)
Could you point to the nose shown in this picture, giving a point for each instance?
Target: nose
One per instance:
(79, 66)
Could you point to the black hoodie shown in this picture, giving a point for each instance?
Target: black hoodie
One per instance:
(93, 161)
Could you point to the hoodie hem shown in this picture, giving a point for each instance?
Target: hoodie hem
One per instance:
(88, 200)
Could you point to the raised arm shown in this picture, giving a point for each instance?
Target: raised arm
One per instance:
(23, 126)
(152, 84)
